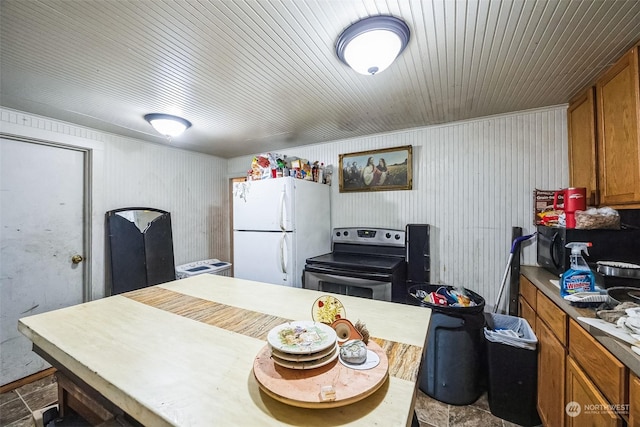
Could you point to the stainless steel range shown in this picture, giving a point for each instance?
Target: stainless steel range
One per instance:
(365, 262)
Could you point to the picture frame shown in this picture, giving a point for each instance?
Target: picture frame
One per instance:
(387, 169)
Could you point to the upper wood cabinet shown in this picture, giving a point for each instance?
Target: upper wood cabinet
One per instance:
(618, 113)
(581, 123)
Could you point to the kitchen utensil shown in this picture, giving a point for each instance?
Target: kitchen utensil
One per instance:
(620, 294)
(587, 299)
(514, 246)
(618, 269)
(635, 295)
(575, 198)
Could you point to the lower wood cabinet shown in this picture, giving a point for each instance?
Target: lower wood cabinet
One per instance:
(527, 313)
(577, 375)
(586, 406)
(551, 377)
(634, 400)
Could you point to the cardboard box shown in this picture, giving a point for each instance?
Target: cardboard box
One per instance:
(543, 201)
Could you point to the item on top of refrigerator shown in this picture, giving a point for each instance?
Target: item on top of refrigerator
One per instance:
(266, 165)
(328, 174)
(578, 278)
(600, 218)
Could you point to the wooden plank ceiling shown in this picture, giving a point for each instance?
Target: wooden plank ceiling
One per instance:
(258, 75)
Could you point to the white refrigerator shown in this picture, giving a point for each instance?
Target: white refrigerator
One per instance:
(278, 224)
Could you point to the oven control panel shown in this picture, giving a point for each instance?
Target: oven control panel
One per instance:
(369, 236)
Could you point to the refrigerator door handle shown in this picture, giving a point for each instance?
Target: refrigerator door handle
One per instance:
(282, 210)
(283, 244)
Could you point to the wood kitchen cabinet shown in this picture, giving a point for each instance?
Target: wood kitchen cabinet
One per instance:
(551, 377)
(618, 118)
(634, 400)
(583, 160)
(603, 124)
(574, 367)
(527, 302)
(588, 406)
(552, 334)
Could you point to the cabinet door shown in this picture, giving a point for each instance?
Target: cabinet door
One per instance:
(581, 121)
(527, 313)
(551, 376)
(590, 408)
(618, 95)
(634, 400)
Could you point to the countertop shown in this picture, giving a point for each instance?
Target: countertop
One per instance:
(541, 279)
(182, 353)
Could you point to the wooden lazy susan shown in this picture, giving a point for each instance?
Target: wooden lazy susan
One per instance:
(304, 387)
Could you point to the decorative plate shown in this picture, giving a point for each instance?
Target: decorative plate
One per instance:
(312, 364)
(327, 309)
(302, 337)
(304, 357)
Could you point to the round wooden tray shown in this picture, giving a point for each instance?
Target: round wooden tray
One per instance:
(301, 388)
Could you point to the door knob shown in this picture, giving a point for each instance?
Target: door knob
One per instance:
(77, 259)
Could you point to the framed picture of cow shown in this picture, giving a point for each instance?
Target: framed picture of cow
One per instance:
(377, 170)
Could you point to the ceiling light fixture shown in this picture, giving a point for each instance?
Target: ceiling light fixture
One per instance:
(168, 125)
(371, 45)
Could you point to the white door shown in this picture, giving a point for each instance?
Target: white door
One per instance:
(264, 257)
(41, 230)
(264, 205)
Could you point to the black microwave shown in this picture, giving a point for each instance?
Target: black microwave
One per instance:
(607, 245)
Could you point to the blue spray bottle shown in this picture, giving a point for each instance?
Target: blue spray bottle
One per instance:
(578, 278)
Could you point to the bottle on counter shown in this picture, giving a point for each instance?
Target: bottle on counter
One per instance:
(321, 173)
(578, 278)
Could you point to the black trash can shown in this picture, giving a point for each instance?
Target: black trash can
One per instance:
(453, 369)
(512, 370)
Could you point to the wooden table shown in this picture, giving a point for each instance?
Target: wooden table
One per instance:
(181, 353)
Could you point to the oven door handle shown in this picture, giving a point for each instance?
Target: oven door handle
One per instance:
(328, 271)
(343, 280)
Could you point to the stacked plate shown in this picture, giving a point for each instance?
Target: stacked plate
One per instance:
(303, 345)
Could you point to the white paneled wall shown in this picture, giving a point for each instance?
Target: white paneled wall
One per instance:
(472, 182)
(191, 186)
(132, 173)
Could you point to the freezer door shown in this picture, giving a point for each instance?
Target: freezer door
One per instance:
(265, 257)
(265, 205)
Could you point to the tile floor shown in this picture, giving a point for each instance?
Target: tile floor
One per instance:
(16, 407)
(433, 413)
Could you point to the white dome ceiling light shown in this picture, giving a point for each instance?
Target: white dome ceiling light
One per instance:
(371, 45)
(168, 125)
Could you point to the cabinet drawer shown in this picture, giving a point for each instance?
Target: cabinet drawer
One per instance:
(528, 313)
(528, 292)
(606, 372)
(553, 316)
